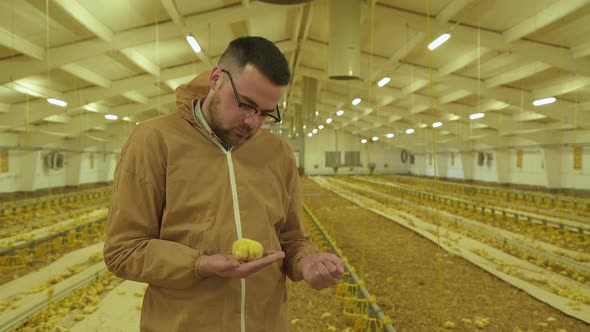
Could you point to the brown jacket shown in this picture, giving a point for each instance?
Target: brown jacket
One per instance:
(173, 201)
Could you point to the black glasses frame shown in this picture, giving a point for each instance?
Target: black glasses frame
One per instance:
(277, 118)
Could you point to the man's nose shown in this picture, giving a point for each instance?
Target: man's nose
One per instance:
(254, 121)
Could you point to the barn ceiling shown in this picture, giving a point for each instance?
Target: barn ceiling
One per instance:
(125, 58)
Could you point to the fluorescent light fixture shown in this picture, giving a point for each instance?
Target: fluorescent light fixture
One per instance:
(390, 135)
(193, 42)
(375, 138)
(436, 124)
(383, 81)
(339, 113)
(309, 134)
(356, 101)
(476, 116)
(111, 117)
(409, 131)
(363, 141)
(315, 131)
(57, 102)
(544, 101)
(321, 126)
(329, 120)
(126, 118)
(438, 41)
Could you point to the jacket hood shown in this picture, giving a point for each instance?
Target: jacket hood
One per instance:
(188, 94)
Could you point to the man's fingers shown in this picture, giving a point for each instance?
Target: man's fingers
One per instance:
(254, 266)
(334, 270)
(327, 277)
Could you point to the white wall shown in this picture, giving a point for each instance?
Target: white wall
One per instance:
(331, 140)
(531, 172)
(577, 179)
(28, 172)
(546, 167)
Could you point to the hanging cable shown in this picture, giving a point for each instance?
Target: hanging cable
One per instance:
(437, 216)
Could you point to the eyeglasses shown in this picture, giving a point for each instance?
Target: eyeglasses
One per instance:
(251, 109)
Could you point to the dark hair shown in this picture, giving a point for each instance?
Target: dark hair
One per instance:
(261, 53)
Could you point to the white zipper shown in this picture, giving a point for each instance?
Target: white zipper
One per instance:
(238, 220)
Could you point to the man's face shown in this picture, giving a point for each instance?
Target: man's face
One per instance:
(234, 124)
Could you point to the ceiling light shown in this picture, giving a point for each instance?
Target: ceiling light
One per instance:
(321, 126)
(315, 131)
(356, 101)
(375, 138)
(126, 118)
(409, 131)
(390, 135)
(438, 41)
(57, 102)
(383, 81)
(436, 124)
(329, 120)
(193, 42)
(111, 117)
(309, 134)
(544, 101)
(363, 141)
(339, 113)
(476, 116)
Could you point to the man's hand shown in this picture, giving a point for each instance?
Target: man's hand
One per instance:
(227, 266)
(322, 270)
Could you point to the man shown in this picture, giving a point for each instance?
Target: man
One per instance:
(189, 184)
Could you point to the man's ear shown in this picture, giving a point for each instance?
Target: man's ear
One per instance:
(215, 78)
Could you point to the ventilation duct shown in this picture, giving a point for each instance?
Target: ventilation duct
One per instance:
(310, 94)
(344, 51)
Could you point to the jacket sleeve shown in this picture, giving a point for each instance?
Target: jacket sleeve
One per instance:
(295, 238)
(133, 249)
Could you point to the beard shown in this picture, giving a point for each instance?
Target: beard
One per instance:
(229, 135)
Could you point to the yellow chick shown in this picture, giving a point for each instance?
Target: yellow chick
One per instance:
(247, 250)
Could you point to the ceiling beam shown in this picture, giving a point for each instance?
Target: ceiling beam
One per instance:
(545, 17)
(562, 85)
(141, 61)
(172, 10)
(12, 41)
(556, 56)
(455, 95)
(78, 98)
(581, 50)
(409, 46)
(414, 86)
(25, 87)
(452, 9)
(463, 61)
(135, 96)
(19, 67)
(86, 75)
(84, 17)
(516, 74)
